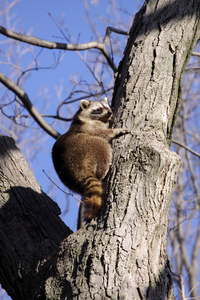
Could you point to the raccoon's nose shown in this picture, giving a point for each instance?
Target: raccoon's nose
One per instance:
(109, 112)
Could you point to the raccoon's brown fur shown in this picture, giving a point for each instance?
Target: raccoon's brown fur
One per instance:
(82, 156)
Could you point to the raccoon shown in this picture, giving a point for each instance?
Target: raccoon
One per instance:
(83, 155)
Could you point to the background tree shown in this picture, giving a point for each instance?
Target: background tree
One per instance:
(145, 172)
(183, 240)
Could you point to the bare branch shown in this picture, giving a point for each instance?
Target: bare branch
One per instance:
(62, 46)
(197, 54)
(112, 29)
(195, 266)
(28, 105)
(119, 31)
(187, 148)
(182, 288)
(9, 7)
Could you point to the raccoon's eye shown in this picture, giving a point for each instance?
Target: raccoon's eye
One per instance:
(97, 111)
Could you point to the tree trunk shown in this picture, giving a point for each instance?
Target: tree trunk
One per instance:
(30, 229)
(122, 255)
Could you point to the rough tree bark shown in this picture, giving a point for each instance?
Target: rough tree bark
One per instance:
(122, 255)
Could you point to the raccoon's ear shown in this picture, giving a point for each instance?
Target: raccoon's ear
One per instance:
(84, 104)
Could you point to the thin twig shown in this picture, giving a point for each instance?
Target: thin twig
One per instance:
(69, 194)
(28, 105)
(185, 147)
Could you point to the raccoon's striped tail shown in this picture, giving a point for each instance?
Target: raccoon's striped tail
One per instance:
(92, 197)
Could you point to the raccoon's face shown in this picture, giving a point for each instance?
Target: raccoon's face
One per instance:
(95, 110)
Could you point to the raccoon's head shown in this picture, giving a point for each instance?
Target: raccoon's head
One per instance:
(94, 110)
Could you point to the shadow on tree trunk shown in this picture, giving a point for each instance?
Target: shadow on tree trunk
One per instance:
(31, 234)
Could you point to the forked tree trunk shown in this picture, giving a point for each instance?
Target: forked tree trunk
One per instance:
(122, 255)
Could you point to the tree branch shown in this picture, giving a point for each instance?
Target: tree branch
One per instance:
(185, 147)
(9, 7)
(112, 29)
(62, 46)
(28, 105)
(197, 54)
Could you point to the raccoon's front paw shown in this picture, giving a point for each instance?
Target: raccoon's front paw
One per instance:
(123, 132)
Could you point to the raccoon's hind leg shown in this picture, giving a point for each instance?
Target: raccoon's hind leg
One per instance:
(92, 197)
